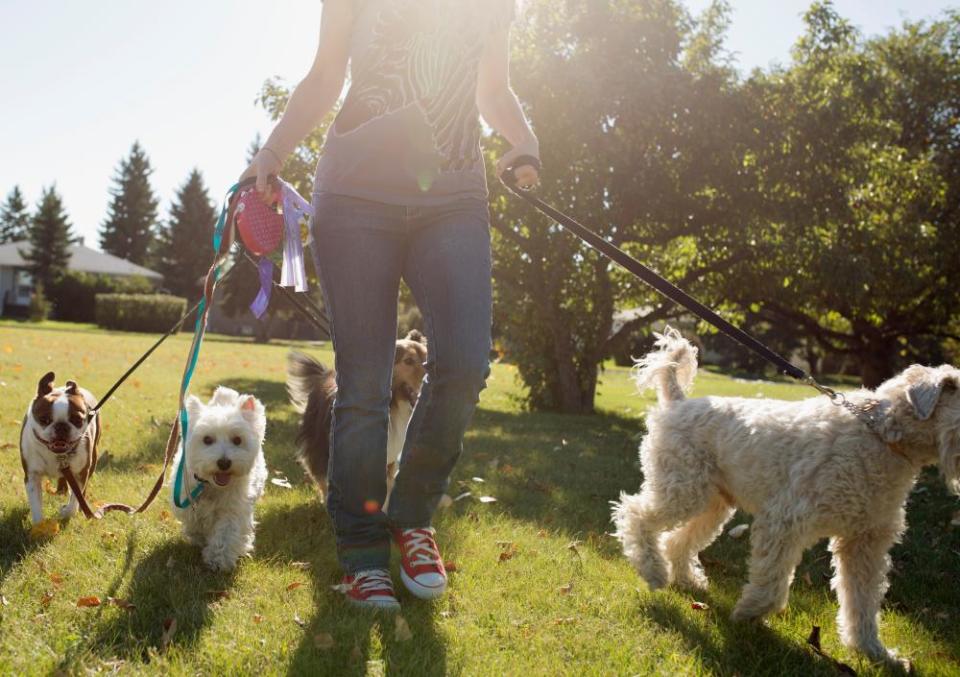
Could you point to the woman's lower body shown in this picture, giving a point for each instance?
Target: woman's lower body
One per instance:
(362, 251)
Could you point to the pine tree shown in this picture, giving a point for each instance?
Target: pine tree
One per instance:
(50, 238)
(14, 219)
(184, 248)
(128, 231)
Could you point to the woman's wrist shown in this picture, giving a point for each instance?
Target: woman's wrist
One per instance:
(276, 155)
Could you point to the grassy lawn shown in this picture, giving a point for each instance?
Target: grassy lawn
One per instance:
(539, 589)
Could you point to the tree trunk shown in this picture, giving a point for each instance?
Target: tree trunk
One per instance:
(877, 362)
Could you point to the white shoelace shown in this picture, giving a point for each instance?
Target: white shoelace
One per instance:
(420, 546)
(373, 579)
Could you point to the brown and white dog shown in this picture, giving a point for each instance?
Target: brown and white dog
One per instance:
(313, 387)
(56, 431)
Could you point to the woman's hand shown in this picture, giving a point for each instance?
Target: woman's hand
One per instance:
(527, 175)
(265, 163)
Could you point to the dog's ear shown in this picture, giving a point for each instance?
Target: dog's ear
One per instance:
(253, 411)
(72, 387)
(414, 335)
(925, 385)
(45, 387)
(224, 396)
(193, 406)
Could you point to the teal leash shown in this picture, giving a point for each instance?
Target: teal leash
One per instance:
(199, 329)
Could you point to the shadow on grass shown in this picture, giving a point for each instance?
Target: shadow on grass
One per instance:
(15, 542)
(303, 534)
(158, 590)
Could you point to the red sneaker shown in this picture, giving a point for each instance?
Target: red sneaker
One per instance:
(421, 567)
(371, 589)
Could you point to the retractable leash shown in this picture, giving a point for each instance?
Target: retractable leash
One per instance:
(674, 293)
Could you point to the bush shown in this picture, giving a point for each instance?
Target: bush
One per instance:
(39, 305)
(74, 293)
(154, 313)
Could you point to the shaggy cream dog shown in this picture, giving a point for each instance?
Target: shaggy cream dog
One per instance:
(804, 470)
(225, 453)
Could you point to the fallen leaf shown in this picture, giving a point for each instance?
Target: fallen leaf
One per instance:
(478, 479)
(169, 630)
(401, 631)
(45, 529)
(7, 445)
(462, 496)
(542, 533)
(281, 482)
(124, 604)
(89, 602)
(299, 621)
(738, 531)
(505, 555)
(46, 599)
(3, 601)
(163, 516)
(258, 619)
(324, 641)
(565, 589)
(451, 567)
(699, 606)
(565, 621)
(487, 499)
(294, 586)
(303, 566)
(56, 579)
(49, 489)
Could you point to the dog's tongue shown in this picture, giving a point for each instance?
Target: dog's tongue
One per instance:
(221, 478)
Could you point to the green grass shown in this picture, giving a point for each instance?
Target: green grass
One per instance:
(553, 477)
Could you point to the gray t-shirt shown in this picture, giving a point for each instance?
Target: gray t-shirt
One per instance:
(409, 132)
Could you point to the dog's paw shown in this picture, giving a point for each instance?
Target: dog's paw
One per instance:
(45, 529)
(217, 560)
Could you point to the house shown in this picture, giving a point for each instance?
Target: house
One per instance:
(16, 285)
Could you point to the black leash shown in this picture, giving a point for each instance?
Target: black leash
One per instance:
(143, 358)
(651, 278)
(314, 314)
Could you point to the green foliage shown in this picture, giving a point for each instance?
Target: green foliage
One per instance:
(183, 250)
(74, 293)
(128, 231)
(50, 238)
(14, 218)
(39, 305)
(854, 167)
(151, 313)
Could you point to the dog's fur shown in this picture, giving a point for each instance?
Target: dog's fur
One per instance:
(805, 470)
(313, 389)
(225, 451)
(57, 419)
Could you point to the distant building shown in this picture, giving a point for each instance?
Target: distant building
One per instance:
(16, 284)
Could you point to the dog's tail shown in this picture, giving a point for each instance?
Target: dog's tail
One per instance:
(312, 388)
(670, 369)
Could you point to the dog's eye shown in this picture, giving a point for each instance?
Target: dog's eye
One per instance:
(409, 361)
(44, 420)
(237, 440)
(77, 421)
(208, 440)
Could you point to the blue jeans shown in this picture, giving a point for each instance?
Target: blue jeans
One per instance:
(362, 251)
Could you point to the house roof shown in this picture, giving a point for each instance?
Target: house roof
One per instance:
(82, 260)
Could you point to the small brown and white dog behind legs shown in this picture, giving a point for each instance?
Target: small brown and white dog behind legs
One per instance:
(56, 431)
(313, 388)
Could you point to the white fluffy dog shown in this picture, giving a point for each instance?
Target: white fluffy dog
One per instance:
(805, 470)
(225, 453)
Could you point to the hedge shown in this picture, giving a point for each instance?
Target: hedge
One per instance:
(74, 293)
(152, 313)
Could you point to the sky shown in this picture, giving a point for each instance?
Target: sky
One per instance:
(83, 80)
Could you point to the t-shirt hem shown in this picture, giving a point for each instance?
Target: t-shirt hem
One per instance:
(399, 199)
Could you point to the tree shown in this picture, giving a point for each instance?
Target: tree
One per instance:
(50, 238)
(642, 153)
(184, 248)
(128, 231)
(855, 162)
(14, 219)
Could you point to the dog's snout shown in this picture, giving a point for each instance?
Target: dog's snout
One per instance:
(61, 430)
(224, 463)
